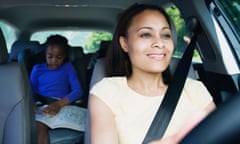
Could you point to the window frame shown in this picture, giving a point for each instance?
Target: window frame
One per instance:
(227, 27)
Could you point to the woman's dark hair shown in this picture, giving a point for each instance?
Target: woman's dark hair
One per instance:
(117, 60)
(60, 41)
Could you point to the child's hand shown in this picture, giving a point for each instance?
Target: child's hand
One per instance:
(54, 108)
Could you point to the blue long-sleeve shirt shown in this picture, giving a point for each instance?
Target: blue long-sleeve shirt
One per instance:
(58, 83)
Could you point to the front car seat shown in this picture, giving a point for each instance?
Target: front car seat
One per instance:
(16, 105)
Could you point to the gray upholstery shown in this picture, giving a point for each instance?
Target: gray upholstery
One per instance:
(16, 106)
(98, 71)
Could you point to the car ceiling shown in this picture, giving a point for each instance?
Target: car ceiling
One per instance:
(29, 15)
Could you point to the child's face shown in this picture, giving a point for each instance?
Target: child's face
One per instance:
(54, 56)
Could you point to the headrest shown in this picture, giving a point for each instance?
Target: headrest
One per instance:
(3, 49)
(103, 48)
(21, 45)
(75, 53)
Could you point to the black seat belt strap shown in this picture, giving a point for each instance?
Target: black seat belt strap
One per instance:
(167, 107)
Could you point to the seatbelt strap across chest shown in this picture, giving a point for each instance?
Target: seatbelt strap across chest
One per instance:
(167, 107)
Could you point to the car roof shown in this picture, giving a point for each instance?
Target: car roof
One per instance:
(29, 15)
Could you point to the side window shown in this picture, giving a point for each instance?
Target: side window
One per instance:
(89, 40)
(9, 33)
(182, 33)
(231, 9)
(228, 15)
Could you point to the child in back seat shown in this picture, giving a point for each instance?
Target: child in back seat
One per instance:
(55, 82)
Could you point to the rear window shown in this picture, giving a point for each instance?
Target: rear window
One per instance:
(89, 40)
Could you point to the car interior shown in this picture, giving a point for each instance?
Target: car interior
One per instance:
(17, 105)
(216, 61)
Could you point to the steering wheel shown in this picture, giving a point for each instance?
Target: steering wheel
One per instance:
(222, 126)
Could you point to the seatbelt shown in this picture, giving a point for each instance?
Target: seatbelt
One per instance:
(167, 107)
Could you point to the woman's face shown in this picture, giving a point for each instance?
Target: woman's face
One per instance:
(149, 42)
(55, 56)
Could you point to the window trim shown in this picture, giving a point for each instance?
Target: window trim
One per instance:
(227, 27)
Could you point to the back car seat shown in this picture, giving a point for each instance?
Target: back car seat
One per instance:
(36, 55)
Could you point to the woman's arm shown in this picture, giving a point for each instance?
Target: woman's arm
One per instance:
(102, 123)
(193, 121)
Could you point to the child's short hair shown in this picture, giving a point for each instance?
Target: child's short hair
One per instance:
(58, 40)
(61, 42)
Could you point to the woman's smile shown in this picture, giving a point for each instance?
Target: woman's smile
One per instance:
(157, 56)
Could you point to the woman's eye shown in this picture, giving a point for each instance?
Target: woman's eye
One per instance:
(166, 36)
(145, 35)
